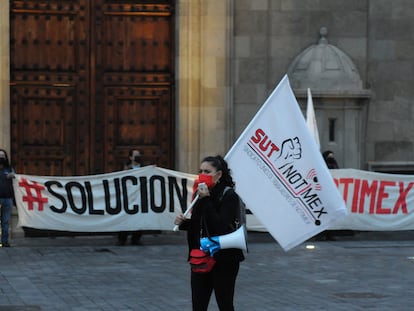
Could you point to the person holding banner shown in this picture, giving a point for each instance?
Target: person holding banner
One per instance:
(6, 196)
(134, 162)
(213, 214)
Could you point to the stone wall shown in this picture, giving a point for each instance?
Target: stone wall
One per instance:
(231, 54)
(391, 76)
(376, 35)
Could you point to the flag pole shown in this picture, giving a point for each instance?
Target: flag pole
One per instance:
(311, 120)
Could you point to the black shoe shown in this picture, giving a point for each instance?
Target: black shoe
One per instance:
(6, 244)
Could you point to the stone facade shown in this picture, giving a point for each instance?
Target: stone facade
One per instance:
(376, 35)
(231, 54)
(204, 103)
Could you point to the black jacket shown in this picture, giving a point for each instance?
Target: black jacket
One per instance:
(215, 215)
(6, 184)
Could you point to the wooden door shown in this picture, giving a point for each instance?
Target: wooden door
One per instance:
(89, 81)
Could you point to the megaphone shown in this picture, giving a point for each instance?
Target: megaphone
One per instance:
(236, 239)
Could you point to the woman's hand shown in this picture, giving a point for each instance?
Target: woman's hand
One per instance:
(203, 190)
(179, 219)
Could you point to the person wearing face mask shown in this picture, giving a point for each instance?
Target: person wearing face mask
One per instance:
(6, 196)
(215, 212)
(134, 162)
(330, 160)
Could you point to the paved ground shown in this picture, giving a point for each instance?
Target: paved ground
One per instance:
(363, 272)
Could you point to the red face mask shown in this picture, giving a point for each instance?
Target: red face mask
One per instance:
(203, 178)
(207, 179)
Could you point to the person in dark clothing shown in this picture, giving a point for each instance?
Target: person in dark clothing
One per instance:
(214, 214)
(330, 160)
(134, 162)
(328, 156)
(6, 196)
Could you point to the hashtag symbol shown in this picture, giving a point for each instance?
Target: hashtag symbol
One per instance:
(30, 198)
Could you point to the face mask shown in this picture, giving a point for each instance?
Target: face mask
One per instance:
(3, 161)
(207, 179)
(137, 159)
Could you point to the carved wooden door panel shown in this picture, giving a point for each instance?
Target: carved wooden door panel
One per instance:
(134, 81)
(89, 81)
(49, 83)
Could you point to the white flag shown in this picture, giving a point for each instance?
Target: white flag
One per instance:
(280, 173)
(311, 120)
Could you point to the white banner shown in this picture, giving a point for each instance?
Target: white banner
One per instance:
(375, 201)
(280, 174)
(142, 199)
(153, 196)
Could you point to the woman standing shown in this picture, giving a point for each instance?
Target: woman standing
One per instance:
(214, 214)
(6, 196)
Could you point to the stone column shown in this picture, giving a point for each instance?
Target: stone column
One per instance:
(4, 77)
(5, 95)
(204, 31)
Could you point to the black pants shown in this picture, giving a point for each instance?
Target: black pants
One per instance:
(222, 279)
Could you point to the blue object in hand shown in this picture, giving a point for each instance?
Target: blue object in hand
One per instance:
(211, 245)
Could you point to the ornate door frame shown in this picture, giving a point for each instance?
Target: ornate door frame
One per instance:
(100, 81)
(200, 87)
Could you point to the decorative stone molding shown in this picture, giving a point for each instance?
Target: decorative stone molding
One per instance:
(395, 167)
(339, 99)
(324, 68)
